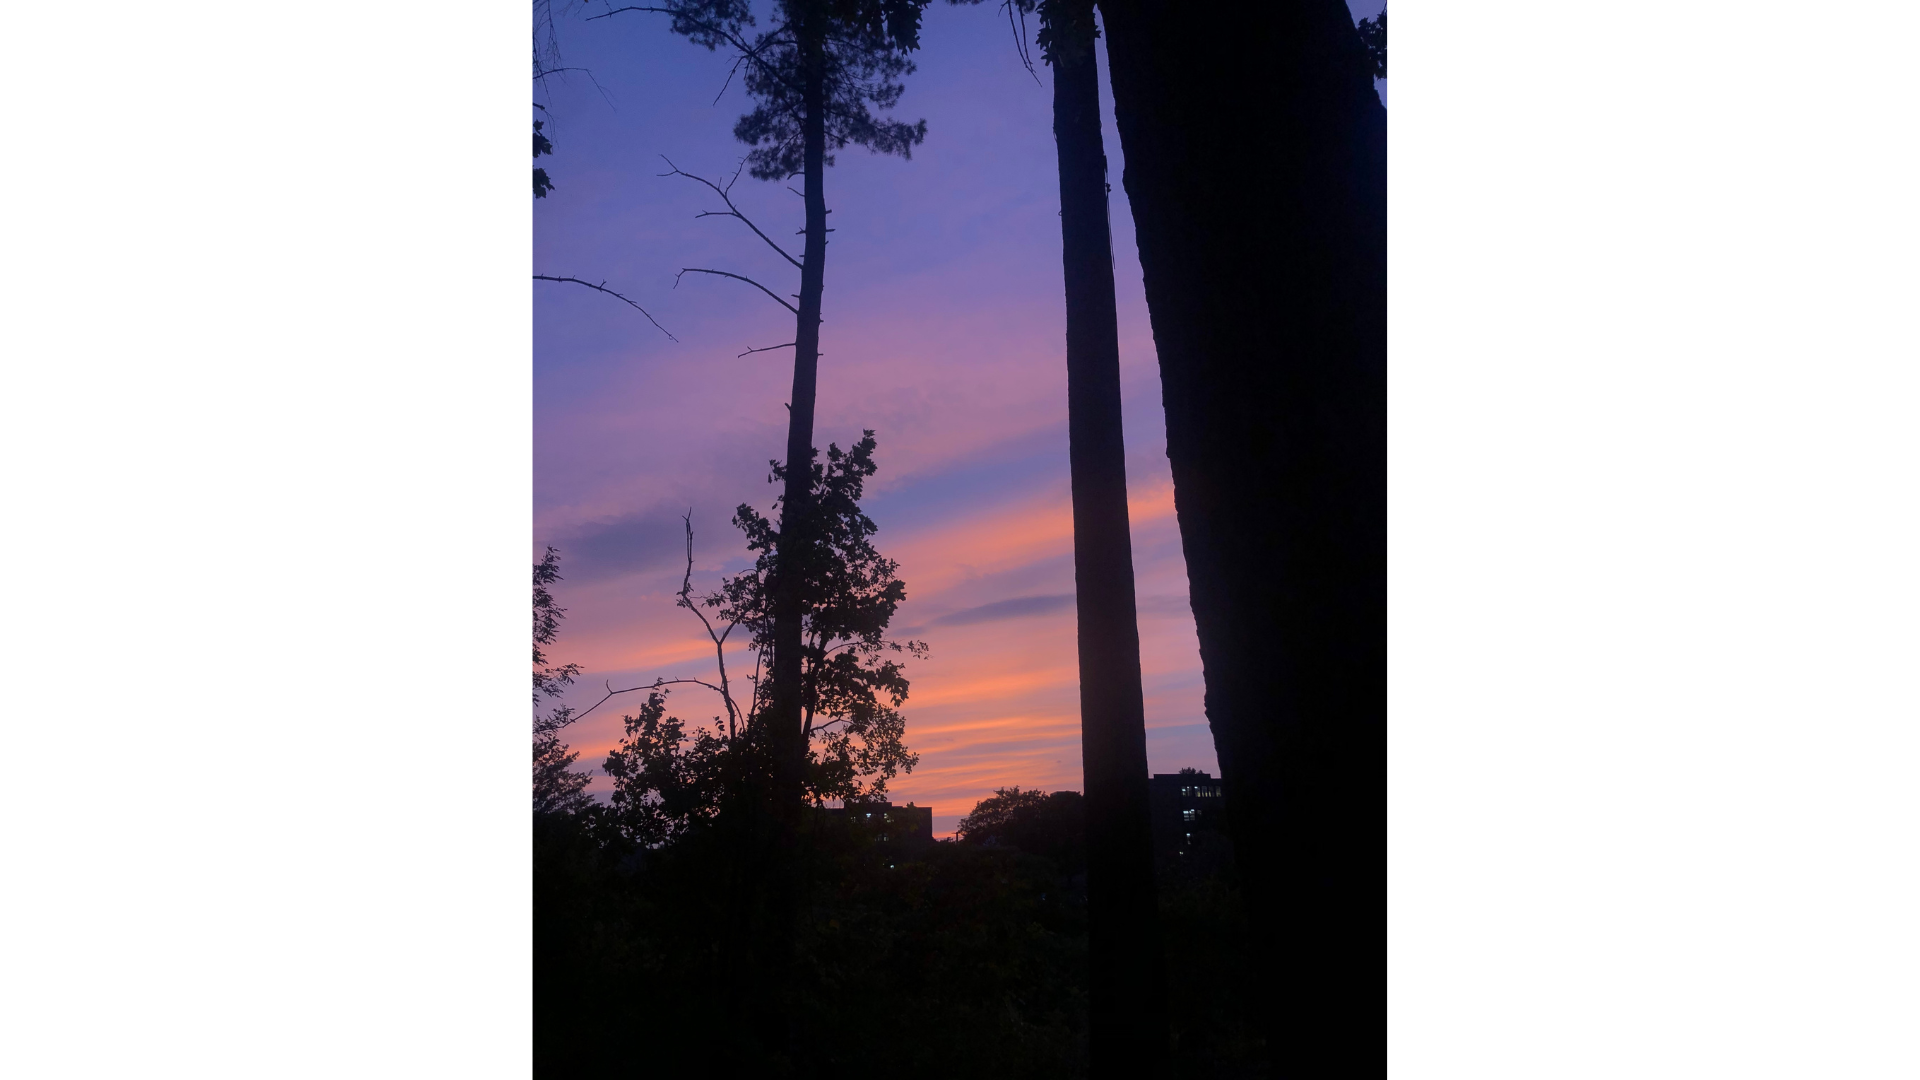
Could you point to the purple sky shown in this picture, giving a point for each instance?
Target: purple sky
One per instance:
(944, 333)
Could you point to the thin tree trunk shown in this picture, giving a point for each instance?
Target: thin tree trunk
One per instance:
(1128, 976)
(1256, 169)
(796, 541)
(775, 865)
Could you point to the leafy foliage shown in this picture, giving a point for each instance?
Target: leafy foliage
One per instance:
(1033, 821)
(1063, 25)
(549, 680)
(852, 682)
(541, 145)
(864, 58)
(1373, 33)
(669, 779)
(991, 815)
(546, 61)
(856, 50)
(663, 782)
(556, 787)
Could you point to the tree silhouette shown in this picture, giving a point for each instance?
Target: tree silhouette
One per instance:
(556, 787)
(668, 779)
(1052, 825)
(851, 682)
(1127, 1010)
(815, 77)
(1269, 317)
(1128, 984)
(724, 780)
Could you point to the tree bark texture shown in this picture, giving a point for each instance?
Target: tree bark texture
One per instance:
(1256, 167)
(1127, 986)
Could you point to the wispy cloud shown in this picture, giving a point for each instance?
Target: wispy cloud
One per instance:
(1019, 607)
(944, 334)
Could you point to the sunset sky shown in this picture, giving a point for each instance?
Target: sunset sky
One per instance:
(944, 333)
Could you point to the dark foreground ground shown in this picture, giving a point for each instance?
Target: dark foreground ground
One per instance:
(951, 959)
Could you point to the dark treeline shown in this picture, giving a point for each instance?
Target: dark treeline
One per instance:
(961, 958)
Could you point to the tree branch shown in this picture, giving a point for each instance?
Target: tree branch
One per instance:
(731, 72)
(719, 640)
(748, 51)
(602, 287)
(1020, 41)
(732, 210)
(654, 685)
(769, 348)
(736, 277)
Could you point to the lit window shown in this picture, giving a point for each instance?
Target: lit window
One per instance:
(1188, 815)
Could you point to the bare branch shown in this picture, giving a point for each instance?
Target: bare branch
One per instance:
(602, 287)
(746, 51)
(1020, 41)
(732, 210)
(736, 277)
(654, 685)
(730, 74)
(769, 348)
(719, 640)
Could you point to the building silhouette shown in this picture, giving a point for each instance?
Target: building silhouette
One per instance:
(906, 826)
(1189, 812)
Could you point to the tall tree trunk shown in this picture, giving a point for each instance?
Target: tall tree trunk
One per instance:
(774, 867)
(796, 542)
(1256, 167)
(1128, 975)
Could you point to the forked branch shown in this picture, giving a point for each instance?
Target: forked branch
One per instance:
(725, 192)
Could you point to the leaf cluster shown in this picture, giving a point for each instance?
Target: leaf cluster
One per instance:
(670, 778)
(843, 58)
(1049, 825)
(549, 680)
(541, 145)
(852, 682)
(1064, 25)
(665, 783)
(556, 787)
(1373, 34)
